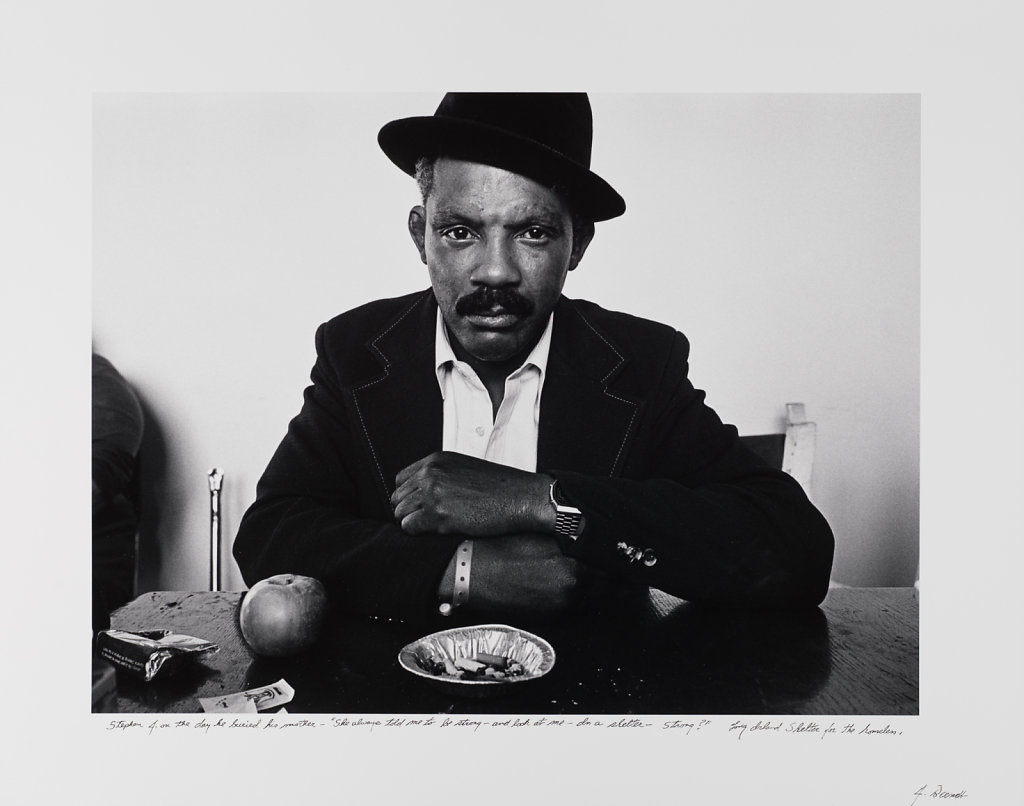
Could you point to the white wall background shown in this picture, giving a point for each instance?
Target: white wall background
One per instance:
(779, 232)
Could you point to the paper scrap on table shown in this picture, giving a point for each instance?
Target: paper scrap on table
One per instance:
(251, 701)
(228, 704)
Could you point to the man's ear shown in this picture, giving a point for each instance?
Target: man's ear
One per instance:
(418, 230)
(581, 238)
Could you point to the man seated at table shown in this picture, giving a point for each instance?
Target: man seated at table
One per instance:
(490, 447)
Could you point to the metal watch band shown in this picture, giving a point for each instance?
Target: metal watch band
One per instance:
(568, 524)
(568, 519)
(463, 565)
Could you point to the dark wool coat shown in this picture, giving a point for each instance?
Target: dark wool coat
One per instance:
(630, 440)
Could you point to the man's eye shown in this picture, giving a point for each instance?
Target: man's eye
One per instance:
(457, 233)
(536, 234)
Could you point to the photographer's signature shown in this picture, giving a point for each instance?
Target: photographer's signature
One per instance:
(938, 793)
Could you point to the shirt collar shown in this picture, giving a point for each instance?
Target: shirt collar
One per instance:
(444, 356)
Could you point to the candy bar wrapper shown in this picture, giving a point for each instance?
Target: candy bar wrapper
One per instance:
(251, 701)
(144, 654)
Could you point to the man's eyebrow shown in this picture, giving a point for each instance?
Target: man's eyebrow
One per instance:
(446, 215)
(548, 218)
(449, 215)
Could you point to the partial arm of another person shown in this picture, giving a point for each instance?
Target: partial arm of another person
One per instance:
(117, 425)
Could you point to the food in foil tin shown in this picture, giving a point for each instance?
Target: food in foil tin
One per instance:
(479, 655)
(480, 666)
(149, 652)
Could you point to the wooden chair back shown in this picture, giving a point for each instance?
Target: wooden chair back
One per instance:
(792, 450)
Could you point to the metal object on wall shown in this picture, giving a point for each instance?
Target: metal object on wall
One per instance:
(216, 478)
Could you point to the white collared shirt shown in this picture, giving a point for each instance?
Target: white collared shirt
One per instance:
(510, 438)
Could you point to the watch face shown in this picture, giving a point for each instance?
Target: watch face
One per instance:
(556, 494)
(568, 519)
(556, 491)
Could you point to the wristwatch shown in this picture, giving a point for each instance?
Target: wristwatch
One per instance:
(569, 521)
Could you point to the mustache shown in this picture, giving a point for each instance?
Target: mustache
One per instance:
(485, 300)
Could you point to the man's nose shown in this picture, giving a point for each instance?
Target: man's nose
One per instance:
(498, 265)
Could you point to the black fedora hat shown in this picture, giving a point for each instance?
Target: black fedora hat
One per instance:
(546, 136)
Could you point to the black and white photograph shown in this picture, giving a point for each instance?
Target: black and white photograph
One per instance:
(476, 447)
(552, 403)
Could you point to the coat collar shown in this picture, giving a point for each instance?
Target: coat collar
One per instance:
(585, 424)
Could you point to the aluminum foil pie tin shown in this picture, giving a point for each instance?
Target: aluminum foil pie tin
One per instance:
(436, 657)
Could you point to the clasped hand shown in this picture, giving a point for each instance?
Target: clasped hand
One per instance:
(519, 568)
(451, 493)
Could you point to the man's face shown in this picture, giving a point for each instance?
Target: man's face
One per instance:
(497, 246)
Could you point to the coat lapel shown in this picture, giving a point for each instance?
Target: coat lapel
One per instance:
(585, 425)
(401, 410)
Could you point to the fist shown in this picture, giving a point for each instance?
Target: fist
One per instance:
(450, 493)
(526, 574)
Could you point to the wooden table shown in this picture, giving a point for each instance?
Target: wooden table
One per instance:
(857, 654)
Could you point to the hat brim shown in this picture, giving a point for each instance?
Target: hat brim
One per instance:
(407, 140)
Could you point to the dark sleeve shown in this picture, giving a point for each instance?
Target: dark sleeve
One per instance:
(722, 526)
(318, 512)
(116, 431)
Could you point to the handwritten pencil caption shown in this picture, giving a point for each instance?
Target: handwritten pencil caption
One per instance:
(740, 729)
(282, 720)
